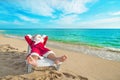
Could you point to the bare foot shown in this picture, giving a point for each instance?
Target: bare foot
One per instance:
(60, 59)
(32, 61)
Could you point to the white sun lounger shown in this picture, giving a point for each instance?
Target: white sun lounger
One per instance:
(43, 62)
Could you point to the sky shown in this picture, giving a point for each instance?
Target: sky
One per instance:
(59, 14)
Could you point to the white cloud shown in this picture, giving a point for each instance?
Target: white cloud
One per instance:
(69, 19)
(115, 13)
(25, 18)
(17, 22)
(48, 7)
(70, 6)
(40, 7)
(107, 20)
(102, 23)
(12, 22)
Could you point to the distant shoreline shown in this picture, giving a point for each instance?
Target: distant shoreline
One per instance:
(52, 40)
(91, 37)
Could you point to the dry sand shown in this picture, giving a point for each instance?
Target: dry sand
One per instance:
(78, 66)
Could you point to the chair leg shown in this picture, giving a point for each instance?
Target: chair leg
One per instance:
(57, 67)
(29, 68)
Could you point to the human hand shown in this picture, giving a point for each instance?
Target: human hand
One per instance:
(32, 61)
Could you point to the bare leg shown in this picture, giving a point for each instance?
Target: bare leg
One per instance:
(32, 59)
(57, 60)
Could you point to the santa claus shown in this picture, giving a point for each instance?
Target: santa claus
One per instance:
(38, 47)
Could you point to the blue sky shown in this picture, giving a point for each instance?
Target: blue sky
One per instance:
(59, 14)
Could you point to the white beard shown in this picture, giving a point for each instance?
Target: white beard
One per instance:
(38, 39)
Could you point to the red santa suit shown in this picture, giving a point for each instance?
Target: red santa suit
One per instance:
(38, 46)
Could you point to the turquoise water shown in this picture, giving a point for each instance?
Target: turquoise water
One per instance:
(93, 37)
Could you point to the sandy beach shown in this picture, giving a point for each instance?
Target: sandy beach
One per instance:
(78, 66)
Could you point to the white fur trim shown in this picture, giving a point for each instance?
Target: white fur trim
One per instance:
(36, 54)
(30, 36)
(47, 53)
(38, 41)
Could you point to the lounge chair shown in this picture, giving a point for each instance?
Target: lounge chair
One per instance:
(43, 62)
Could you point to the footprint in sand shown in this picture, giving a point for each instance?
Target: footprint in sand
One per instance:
(78, 77)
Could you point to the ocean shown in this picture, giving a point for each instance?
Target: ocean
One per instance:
(101, 38)
(93, 37)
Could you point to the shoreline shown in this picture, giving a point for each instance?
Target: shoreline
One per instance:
(101, 52)
(92, 44)
(92, 67)
(71, 43)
